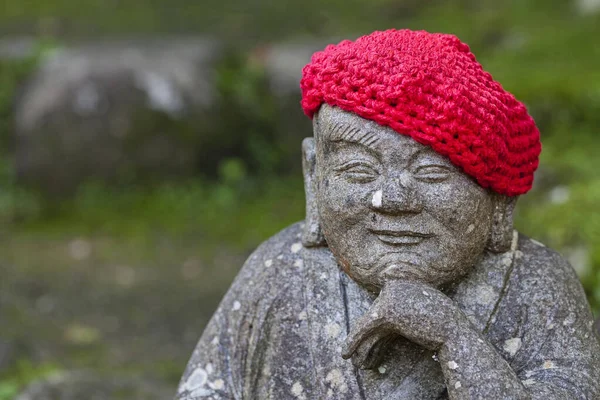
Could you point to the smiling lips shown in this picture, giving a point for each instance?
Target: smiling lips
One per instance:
(400, 237)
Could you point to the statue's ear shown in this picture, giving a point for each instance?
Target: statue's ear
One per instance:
(502, 225)
(312, 236)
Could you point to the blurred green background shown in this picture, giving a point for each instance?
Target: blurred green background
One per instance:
(118, 276)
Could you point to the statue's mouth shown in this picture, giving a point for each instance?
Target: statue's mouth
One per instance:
(400, 237)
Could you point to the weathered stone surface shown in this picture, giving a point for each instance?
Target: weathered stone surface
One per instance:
(81, 385)
(115, 112)
(405, 281)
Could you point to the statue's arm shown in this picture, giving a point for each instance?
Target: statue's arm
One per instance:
(473, 369)
(559, 356)
(219, 367)
(545, 345)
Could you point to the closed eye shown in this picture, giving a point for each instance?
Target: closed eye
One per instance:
(432, 173)
(358, 172)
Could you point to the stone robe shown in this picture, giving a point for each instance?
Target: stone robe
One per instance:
(279, 331)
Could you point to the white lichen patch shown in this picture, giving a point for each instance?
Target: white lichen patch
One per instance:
(457, 385)
(236, 305)
(528, 382)
(426, 294)
(333, 330)
(471, 228)
(537, 243)
(324, 276)
(302, 316)
(529, 374)
(299, 263)
(280, 257)
(296, 247)
(382, 370)
(217, 385)
(485, 295)
(507, 259)
(548, 364)
(511, 346)
(374, 315)
(196, 381)
(298, 390)
(215, 341)
(209, 368)
(570, 320)
(268, 263)
(452, 365)
(377, 197)
(336, 380)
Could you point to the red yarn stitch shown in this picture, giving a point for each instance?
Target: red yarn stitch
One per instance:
(431, 88)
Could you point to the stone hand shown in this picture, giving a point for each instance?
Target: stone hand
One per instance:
(417, 312)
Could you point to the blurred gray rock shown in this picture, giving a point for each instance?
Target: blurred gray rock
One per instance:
(115, 112)
(6, 354)
(588, 6)
(282, 64)
(81, 385)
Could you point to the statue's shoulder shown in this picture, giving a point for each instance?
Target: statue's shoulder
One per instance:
(540, 269)
(275, 263)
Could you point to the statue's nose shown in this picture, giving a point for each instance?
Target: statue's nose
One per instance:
(397, 195)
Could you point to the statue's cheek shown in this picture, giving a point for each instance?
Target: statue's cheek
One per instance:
(462, 209)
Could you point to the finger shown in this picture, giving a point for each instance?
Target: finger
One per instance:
(370, 353)
(365, 327)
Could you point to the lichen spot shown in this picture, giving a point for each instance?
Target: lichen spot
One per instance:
(382, 370)
(302, 316)
(457, 385)
(236, 305)
(452, 365)
(217, 385)
(298, 263)
(268, 263)
(507, 259)
(209, 368)
(196, 381)
(471, 228)
(528, 382)
(377, 197)
(511, 346)
(298, 390)
(296, 247)
(336, 380)
(548, 364)
(485, 295)
(333, 330)
(570, 320)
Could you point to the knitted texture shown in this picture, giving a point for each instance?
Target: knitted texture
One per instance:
(431, 88)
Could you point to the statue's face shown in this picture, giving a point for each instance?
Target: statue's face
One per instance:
(392, 208)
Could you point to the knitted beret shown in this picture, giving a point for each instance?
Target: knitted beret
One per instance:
(430, 87)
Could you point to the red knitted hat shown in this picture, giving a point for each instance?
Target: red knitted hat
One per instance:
(430, 87)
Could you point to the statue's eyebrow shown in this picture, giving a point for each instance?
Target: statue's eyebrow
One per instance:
(347, 133)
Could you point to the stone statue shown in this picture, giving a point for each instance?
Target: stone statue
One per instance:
(406, 280)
